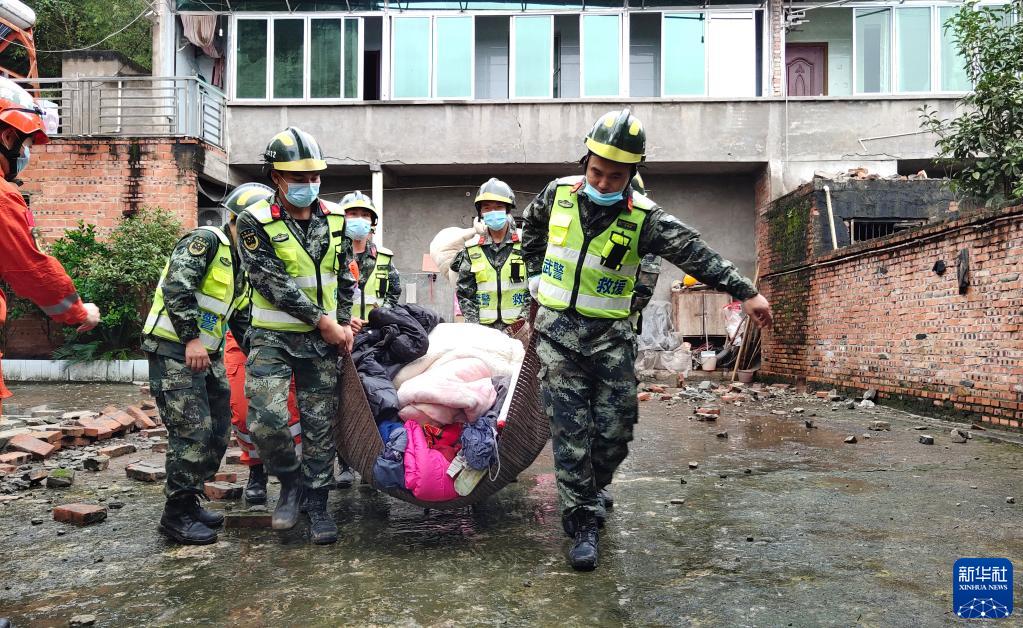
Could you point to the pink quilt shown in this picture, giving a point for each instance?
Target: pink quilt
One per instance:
(453, 392)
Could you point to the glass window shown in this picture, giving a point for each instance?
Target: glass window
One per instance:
(289, 58)
(953, 66)
(566, 56)
(325, 59)
(645, 54)
(732, 54)
(250, 59)
(532, 56)
(492, 57)
(601, 52)
(913, 28)
(411, 66)
(351, 58)
(453, 39)
(684, 54)
(873, 50)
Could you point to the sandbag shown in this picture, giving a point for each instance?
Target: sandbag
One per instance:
(453, 341)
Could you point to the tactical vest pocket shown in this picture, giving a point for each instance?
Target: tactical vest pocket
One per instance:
(218, 284)
(614, 251)
(558, 230)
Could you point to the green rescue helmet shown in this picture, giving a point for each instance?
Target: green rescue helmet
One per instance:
(294, 150)
(637, 184)
(495, 190)
(358, 200)
(618, 136)
(244, 195)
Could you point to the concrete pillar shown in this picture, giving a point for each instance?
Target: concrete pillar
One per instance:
(164, 39)
(378, 201)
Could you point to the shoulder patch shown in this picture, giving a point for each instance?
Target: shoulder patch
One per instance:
(280, 237)
(198, 246)
(249, 240)
(226, 261)
(565, 204)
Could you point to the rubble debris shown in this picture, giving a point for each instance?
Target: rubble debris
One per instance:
(678, 502)
(655, 388)
(60, 478)
(82, 620)
(722, 434)
(926, 439)
(15, 458)
(144, 472)
(1010, 500)
(80, 514)
(851, 440)
(222, 490)
(33, 446)
(880, 426)
(866, 404)
(870, 395)
(154, 432)
(643, 396)
(694, 465)
(798, 410)
(958, 435)
(254, 517)
(706, 385)
(850, 405)
(234, 456)
(96, 463)
(160, 447)
(226, 476)
(116, 451)
(834, 396)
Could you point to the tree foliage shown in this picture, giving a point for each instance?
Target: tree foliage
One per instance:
(984, 144)
(70, 24)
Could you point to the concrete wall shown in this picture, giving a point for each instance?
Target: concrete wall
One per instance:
(551, 132)
(720, 207)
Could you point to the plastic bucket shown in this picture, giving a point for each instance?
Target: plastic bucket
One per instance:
(745, 376)
(708, 360)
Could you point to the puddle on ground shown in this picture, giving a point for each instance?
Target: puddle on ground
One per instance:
(69, 397)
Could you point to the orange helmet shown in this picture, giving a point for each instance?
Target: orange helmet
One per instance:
(18, 110)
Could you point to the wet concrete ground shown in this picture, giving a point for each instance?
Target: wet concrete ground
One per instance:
(781, 525)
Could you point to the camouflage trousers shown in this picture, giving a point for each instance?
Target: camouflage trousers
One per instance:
(268, 374)
(196, 409)
(591, 404)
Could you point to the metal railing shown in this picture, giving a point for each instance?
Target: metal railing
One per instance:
(134, 106)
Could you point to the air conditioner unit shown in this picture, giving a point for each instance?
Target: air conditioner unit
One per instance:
(212, 216)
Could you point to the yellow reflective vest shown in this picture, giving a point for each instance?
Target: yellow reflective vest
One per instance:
(372, 294)
(594, 276)
(500, 294)
(316, 278)
(215, 296)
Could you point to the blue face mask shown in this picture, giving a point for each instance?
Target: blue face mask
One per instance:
(302, 194)
(495, 221)
(357, 228)
(604, 200)
(22, 161)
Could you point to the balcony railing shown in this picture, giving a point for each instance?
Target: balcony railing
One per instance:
(133, 106)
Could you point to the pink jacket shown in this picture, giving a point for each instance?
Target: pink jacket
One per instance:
(426, 469)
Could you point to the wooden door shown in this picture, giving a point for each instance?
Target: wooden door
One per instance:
(806, 69)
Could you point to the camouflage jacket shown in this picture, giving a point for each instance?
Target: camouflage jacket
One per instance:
(186, 268)
(367, 262)
(662, 234)
(646, 282)
(267, 275)
(498, 253)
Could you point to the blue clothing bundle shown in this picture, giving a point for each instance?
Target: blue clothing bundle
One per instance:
(479, 439)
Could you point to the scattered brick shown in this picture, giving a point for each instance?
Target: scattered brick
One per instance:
(154, 432)
(48, 435)
(7, 469)
(96, 428)
(142, 420)
(116, 451)
(147, 405)
(78, 441)
(656, 388)
(109, 410)
(248, 519)
(710, 410)
(159, 448)
(145, 473)
(123, 419)
(72, 430)
(36, 448)
(96, 463)
(80, 514)
(223, 490)
(234, 456)
(226, 476)
(35, 476)
(643, 396)
(666, 397)
(16, 458)
(731, 398)
(823, 394)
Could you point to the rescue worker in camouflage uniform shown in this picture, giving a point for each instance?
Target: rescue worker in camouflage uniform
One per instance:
(492, 288)
(583, 241)
(197, 298)
(379, 283)
(294, 249)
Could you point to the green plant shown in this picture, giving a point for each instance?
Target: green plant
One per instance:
(120, 276)
(984, 144)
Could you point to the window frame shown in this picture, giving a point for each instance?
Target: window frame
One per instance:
(472, 57)
(513, 66)
(623, 54)
(307, 18)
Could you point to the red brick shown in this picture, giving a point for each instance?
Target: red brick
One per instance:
(15, 457)
(7, 469)
(147, 406)
(80, 514)
(50, 436)
(155, 431)
(77, 441)
(124, 420)
(656, 389)
(96, 428)
(709, 410)
(142, 420)
(643, 396)
(116, 451)
(234, 456)
(72, 430)
(37, 448)
(226, 476)
(110, 410)
(159, 448)
(223, 490)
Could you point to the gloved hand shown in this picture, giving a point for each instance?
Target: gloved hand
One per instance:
(534, 285)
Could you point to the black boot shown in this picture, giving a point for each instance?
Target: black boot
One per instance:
(344, 476)
(286, 513)
(209, 518)
(607, 504)
(255, 489)
(322, 528)
(180, 522)
(583, 555)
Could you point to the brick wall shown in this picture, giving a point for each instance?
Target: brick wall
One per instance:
(776, 24)
(875, 315)
(99, 180)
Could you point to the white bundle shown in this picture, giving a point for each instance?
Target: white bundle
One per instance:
(448, 242)
(451, 341)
